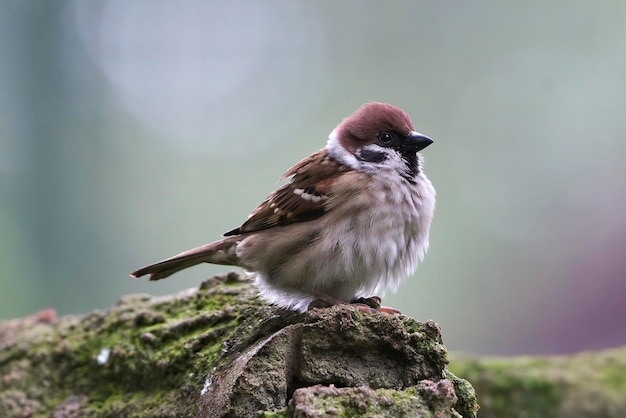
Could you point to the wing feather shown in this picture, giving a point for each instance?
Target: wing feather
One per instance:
(301, 199)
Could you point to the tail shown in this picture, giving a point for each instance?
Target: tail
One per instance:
(218, 252)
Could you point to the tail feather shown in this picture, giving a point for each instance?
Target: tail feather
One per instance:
(218, 252)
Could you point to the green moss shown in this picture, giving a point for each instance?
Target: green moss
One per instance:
(509, 391)
(153, 343)
(274, 414)
(614, 375)
(584, 385)
(427, 399)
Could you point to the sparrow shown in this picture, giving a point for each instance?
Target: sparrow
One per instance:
(351, 220)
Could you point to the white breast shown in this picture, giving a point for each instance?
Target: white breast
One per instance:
(369, 242)
(383, 240)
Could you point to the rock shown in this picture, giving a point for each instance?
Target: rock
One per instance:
(338, 346)
(426, 399)
(218, 351)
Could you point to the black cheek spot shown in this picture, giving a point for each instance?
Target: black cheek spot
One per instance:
(372, 156)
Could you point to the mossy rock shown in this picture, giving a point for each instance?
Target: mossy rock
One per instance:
(218, 351)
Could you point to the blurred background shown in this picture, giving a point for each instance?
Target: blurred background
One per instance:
(130, 131)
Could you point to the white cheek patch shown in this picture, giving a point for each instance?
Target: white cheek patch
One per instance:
(338, 152)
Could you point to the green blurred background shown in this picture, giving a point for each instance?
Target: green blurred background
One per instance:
(133, 130)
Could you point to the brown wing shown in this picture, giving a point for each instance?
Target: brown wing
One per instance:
(301, 199)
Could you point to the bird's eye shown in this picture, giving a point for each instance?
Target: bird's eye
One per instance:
(385, 138)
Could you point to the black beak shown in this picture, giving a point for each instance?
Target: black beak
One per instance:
(416, 141)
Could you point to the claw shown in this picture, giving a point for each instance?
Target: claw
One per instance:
(365, 309)
(390, 311)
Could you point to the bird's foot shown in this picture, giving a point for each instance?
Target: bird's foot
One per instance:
(321, 303)
(373, 303)
(369, 305)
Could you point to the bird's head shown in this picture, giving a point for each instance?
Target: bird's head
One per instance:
(378, 135)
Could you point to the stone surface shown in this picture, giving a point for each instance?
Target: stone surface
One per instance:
(338, 346)
(218, 351)
(426, 399)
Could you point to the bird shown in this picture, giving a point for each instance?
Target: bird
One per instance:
(350, 221)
